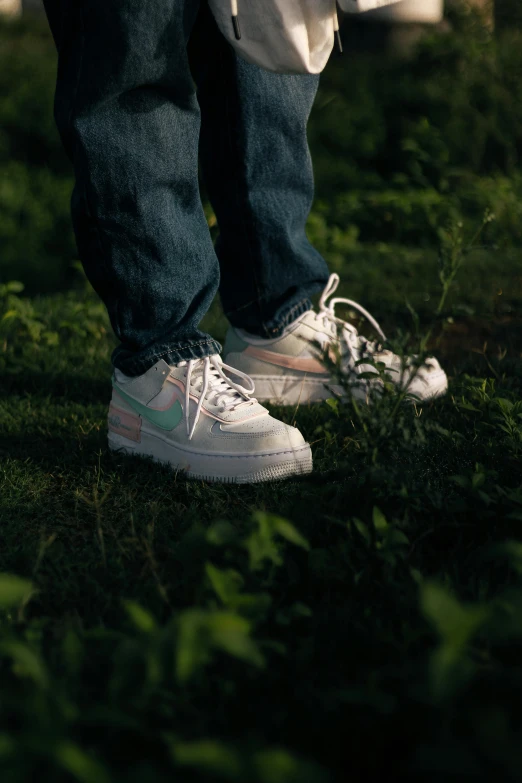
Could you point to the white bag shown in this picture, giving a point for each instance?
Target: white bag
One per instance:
(285, 36)
(359, 6)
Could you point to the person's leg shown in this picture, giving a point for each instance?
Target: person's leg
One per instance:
(128, 116)
(258, 172)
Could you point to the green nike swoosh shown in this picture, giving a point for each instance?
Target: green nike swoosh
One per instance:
(166, 420)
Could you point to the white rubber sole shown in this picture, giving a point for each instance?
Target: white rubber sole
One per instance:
(294, 390)
(438, 388)
(246, 469)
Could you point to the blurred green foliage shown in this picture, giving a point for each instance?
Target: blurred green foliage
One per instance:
(36, 240)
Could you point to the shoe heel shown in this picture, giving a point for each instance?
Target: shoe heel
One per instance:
(127, 425)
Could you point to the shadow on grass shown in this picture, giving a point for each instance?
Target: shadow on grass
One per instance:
(78, 387)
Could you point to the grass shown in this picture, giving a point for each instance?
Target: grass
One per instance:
(362, 623)
(365, 620)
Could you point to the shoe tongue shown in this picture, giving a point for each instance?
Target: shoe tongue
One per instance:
(236, 407)
(216, 383)
(308, 318)
(305, 318)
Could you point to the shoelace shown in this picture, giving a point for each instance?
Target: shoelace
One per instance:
(327, 315)
(211, 383)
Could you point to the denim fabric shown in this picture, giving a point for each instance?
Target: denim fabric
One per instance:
(131, 122)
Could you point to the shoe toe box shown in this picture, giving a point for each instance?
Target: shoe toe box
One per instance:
(259, 434)
(428, 381)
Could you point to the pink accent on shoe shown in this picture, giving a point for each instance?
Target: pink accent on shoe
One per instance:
(178, 383)
(124, 423)
(299, 363)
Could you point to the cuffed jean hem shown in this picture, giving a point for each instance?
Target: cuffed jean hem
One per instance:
(245, 318)
(136, 364)
(276, 327)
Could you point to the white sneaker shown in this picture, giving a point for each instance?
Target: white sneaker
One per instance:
(195, 418)
(290, 369)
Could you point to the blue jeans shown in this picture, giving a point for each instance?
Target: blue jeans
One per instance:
(142, 87)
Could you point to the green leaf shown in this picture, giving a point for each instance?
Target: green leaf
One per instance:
(454, 621)
(72, 652)
(201, 632)
(449, 669)
(231, 633)
(362, 530)
(260, 549)
(276, 765)
(379, 520)
(511, 549)
(467, 406)
(478, 480)
(80, 765)
(301, 610)
(210, 757)
(7, 745)
(51, 338)
(221, 534)
(141, 619)
(14, 287)
(396, 538)
(226, 584)
(261, 543)
(333, 403)
(13, 591)
(253, 604)
(290, 533)
(10, 315)
(26, 662)
(193, 645)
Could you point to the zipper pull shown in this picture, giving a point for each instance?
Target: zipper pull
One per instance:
(235, 19)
